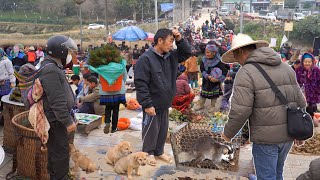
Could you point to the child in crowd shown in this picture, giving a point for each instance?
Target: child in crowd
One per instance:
(112, 101)
(91, 103)
(85, 88)
(227, 91)
(192, 71)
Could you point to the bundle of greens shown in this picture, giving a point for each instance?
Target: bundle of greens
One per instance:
(104, 55)
(177, 116)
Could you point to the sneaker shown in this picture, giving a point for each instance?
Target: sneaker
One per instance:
(113, 131)
(106, 129)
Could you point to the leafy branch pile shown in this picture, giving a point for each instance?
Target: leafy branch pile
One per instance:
(188, 116)
(177, 116)
(104, 55)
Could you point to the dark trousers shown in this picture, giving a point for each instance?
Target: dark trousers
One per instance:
(58, 151)
(114, 109)
(154, 137)
(87, 107)
(128, 67)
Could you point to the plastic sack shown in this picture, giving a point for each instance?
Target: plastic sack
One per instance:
(136, 124)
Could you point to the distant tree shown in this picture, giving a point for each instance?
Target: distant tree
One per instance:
(307, 29)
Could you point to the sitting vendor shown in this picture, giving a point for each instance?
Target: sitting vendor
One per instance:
(90, 103)
(84, 90)
(184, 96)
(79, 83)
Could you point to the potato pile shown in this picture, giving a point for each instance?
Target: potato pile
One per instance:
(311, 146)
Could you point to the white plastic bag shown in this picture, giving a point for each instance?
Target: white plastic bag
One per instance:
(136, 124)
(140, 115)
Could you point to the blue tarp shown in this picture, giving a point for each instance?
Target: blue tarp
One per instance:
(165, 7)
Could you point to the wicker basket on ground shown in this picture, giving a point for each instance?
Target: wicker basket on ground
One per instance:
(185, 135)
(30, 158)
(10, 110)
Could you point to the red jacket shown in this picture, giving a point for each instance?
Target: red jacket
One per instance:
(31, 56)
(183, 87)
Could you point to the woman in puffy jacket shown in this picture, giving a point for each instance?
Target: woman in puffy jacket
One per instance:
(308, 77)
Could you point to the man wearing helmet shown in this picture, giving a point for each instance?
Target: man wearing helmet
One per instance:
(58, 99)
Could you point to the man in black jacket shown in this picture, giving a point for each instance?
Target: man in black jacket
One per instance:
(58, 99)
(155, 82)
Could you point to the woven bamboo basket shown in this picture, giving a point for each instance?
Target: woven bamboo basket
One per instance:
(184, 136)
(30, 159)
(9, 138)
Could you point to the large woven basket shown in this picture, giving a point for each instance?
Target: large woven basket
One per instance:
(9, 138)
(185, 135)
(30, 158)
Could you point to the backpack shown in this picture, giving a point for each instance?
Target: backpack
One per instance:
(26, 84)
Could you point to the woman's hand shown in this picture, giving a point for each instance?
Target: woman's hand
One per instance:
(212, 79)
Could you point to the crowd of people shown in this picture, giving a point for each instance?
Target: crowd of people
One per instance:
(165, 78)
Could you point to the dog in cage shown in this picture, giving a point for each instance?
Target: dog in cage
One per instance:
(207, 148)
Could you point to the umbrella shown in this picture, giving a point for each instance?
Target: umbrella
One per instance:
(150, 37)
(130, 33)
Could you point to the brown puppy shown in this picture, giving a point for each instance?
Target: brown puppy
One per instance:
(81, 161)
(131, 162)
(117, 152)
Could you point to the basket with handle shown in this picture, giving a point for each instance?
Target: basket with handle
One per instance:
(30, 158)
(10, 109)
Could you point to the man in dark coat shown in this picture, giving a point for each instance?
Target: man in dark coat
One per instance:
(155, 82)
(58, 100)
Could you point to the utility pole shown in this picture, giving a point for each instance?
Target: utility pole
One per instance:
(251, 6)
(241, 16)
(142, 10)
(106, 18)
(156, 13)
(79, 2)
(183, 11)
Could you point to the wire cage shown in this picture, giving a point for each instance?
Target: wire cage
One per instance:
(185, 135)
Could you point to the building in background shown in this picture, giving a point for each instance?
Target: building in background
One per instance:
(307, 4)
(277, 4)
(182, 10)
(231, 5)
(258, 5)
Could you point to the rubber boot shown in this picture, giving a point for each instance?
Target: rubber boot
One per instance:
(106, 129)
(201, 104)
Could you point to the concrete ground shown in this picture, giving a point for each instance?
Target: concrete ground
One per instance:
(97, 143)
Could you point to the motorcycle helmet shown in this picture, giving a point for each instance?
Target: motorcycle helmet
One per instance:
(59, 46)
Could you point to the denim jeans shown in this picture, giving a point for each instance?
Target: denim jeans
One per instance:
(269, 160)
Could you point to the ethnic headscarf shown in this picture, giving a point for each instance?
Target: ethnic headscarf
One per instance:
(215, 60)
(309, 79)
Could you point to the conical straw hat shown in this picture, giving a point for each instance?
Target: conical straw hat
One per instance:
(239, 41)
